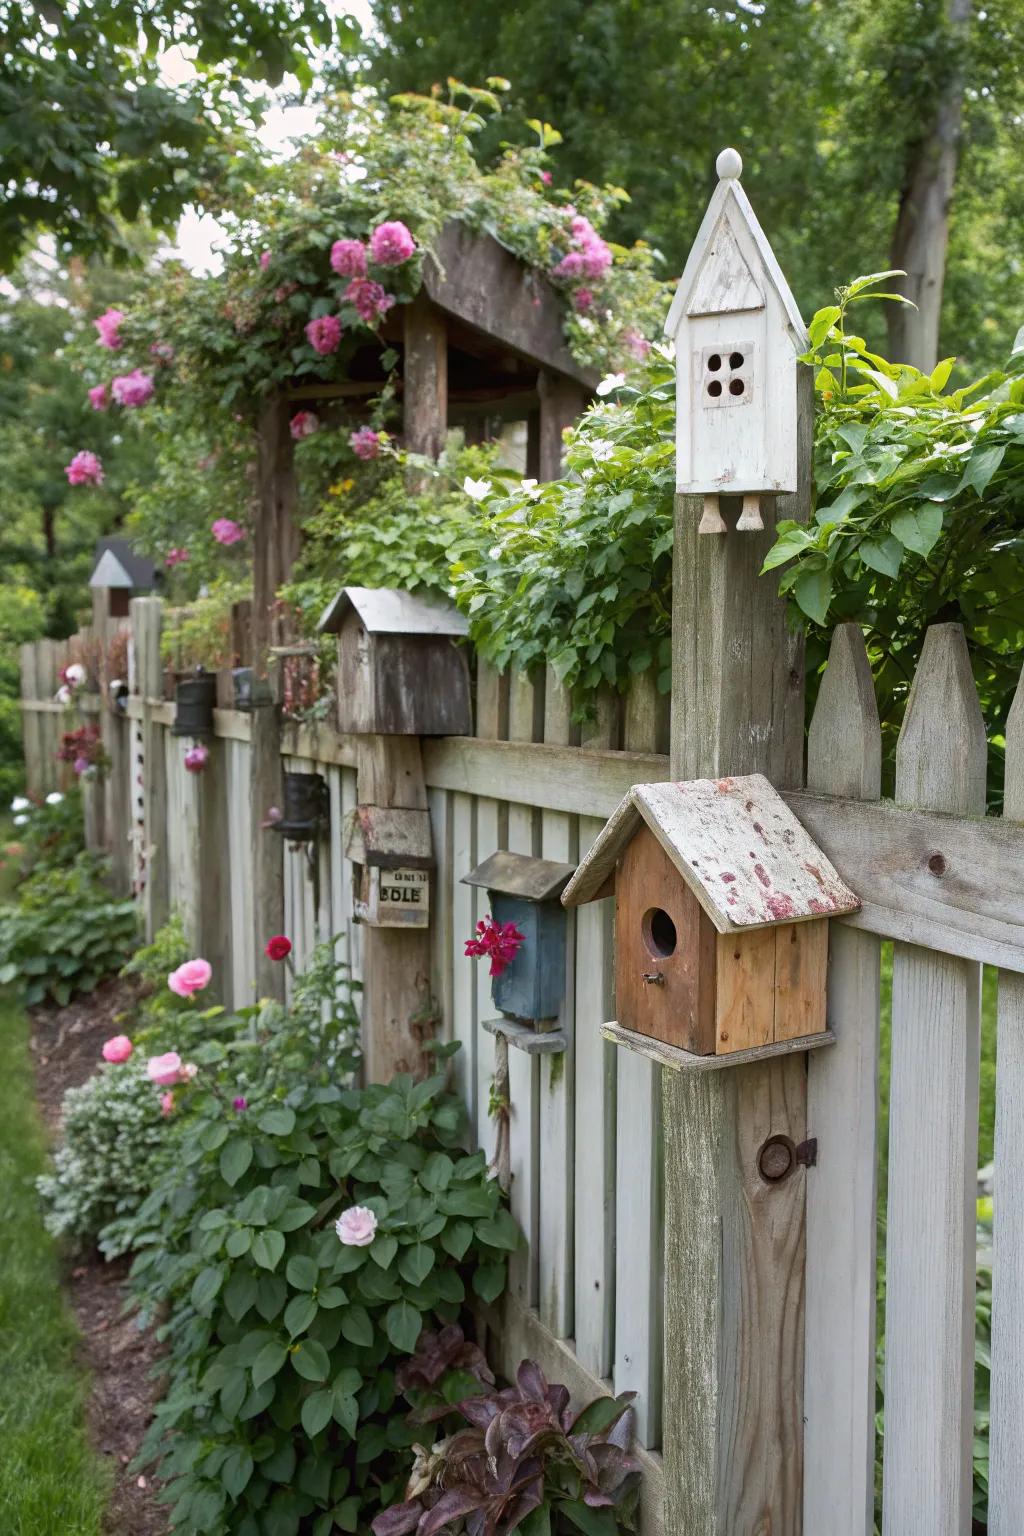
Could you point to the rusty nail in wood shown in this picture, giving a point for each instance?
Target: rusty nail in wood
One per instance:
(653, 978)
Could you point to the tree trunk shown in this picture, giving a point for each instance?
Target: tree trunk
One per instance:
(922, 226)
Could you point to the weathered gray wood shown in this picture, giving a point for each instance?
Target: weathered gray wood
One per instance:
(558, 1075)
(482, 284)
(265, 790)
(275, 539)
(425, 376)
(1006, 1443)
(843, 757)
(525, 1038)
(396, 1012)
(595, 1202)
(562, 402)
(30, 721)
(933, 1140)
(147, 619)
(639, 1151)
(675, 1059)
(117, 819)
(557, 778)
(734, 1315)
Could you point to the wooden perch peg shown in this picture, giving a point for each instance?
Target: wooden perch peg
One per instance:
(750, 516)
(711, 519)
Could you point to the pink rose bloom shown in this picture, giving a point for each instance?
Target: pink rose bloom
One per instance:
(107, 326)
(264, 260)
(348, 258)
(324, 334)
(80, 766)
(369, 299)
(570, 266)
(637, 344)
(164, 1070)
(166, 1104)
(132, 389)
(240, 1104)
(191, 976)
(391, 244)
(583, 301)
(226, 531)
(303, 424)
(545, 177)
(365, 443)
(98, 397)
(196, 758)
(84, 469)
(175, 557)
(118, 1048)
(356, 1227)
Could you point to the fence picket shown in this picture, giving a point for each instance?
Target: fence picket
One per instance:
(463, 974)
(556, 1289)
(492, 724)
(595, 1105)
(843, 758)
(933, 1139)
(1006, 1457)
(639, 1191)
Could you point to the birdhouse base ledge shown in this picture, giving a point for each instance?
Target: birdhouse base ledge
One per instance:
(688, 1061)
(535, 1042)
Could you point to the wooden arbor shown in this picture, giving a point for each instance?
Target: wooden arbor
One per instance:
(481, 344)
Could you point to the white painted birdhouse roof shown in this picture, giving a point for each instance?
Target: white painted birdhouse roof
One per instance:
(731, 266)
(390, 611)
(735, 843)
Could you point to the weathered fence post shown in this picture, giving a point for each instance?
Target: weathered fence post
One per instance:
(146, 615)
(734, 1243)
(1006, 1456)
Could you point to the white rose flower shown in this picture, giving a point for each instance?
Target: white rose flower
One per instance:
(63, 694)
(74, 674)
(54, 797)
(478, 490)
(19, 803)
(611, 381)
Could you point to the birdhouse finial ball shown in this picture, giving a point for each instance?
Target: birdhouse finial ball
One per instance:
(729, 165)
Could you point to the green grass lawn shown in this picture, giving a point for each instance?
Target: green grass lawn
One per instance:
(51, 1482)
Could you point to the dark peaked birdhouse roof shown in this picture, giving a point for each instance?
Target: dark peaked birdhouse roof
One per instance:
(517, 874)
(116, 564)
(735, 843)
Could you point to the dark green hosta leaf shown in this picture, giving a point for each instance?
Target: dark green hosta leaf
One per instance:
(489, 1281)
(267, 1248)
(500, 1232)
(383, 1249)
(236, 1471)
(356, 1326)
(277, 1122)
(302, 1272)
(235, 1159)
(299, 1313)
(268, 1362)
(311, 1360)
(415, 1263)
(403, 1325)
(316, 1412)
(239, 1242)
(346, 1411)
(436, 1173)
(456, 1238)
(205, 1287)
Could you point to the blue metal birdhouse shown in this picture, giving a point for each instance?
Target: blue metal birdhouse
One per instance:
(525, 891)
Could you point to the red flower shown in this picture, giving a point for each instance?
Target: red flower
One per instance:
(500, 941)
(278, 948)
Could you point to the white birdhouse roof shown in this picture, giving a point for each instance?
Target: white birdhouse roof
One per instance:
(735, 843)
(731, 265)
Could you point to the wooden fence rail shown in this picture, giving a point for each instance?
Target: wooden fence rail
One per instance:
(586, 1134)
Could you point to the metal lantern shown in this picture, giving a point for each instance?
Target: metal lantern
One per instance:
(194, 699)
(250, 691)
(306, 806)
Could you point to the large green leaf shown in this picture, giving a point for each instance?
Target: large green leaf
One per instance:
(267, 1248)
(403, 1325)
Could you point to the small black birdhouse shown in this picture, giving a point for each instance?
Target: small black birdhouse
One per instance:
(249, 691)
(392, 856)
(306, 807)
(401, 670)
(194, 698)
(525, 891)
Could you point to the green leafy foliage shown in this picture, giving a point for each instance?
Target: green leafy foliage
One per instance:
(65, 933)
(918, 518)
(50, 832)
(283, 1341)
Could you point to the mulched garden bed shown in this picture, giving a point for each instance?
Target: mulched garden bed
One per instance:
(66, 1046)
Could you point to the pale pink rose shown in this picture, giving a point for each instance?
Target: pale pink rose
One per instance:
(191, 976)
(133, 389)
(368, 298)
(356, 1227)
(166, 1104)
(117, 1048)
(264, 259)
(84, 469)
(107, 327)
(98, 397)
(303, 424)
(324, 334)
(348, 258)
(164, 1070)
(226, 531)
(365, 443)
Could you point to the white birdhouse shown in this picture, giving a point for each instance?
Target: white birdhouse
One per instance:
(738, 334)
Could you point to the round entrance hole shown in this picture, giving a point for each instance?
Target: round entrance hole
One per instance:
(736, 360)
(659, 933)
(714, 362)
(736, 387)
(715, 388)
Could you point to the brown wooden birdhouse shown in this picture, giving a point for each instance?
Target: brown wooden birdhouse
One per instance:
(722, 903)
(401, 670)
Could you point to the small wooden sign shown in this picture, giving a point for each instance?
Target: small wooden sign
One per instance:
(393, 898)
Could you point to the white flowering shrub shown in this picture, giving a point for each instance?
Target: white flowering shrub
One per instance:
(116, 1145)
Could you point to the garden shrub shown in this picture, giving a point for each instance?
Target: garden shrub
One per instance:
(115, 1144)
(283, 1337)
(65, 933)
(50, 833)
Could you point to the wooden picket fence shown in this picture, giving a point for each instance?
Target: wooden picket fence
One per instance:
(587, 1150)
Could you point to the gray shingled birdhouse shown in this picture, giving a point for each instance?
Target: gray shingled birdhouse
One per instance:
(722, 903)
(401, 670)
